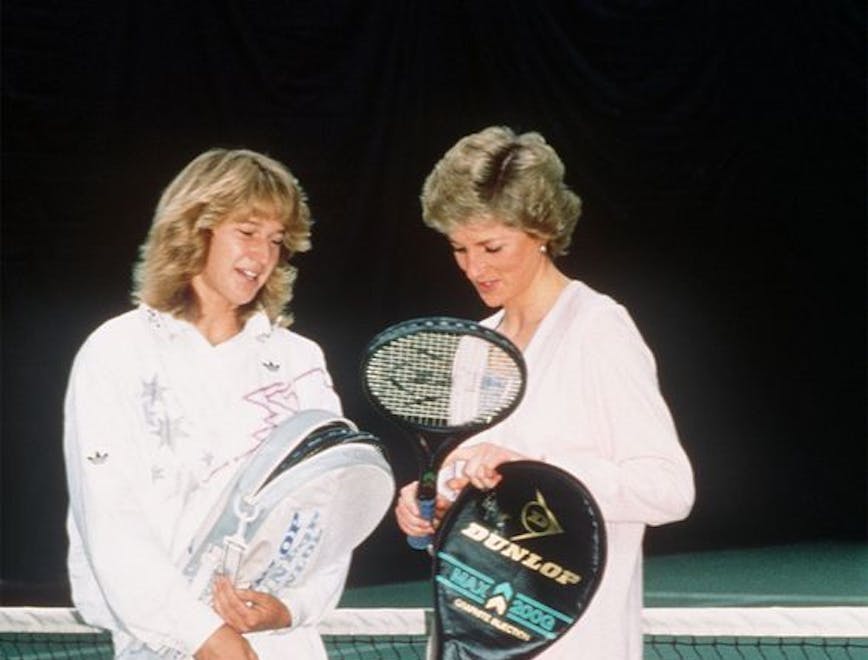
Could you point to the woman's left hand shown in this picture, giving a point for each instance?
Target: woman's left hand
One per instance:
(480, 464)
(246, 610)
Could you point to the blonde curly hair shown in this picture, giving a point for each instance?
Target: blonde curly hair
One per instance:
(515, 179)
(214, 187)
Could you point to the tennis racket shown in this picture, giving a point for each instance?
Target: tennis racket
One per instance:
(315, 487)
(442, 379)
(517, 566)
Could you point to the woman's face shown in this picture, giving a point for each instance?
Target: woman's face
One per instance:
(242, 254)
(501, 262)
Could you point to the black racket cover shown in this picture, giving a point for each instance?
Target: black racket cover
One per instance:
(515, 567)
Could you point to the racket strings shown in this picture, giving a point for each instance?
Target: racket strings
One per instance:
(440, 379)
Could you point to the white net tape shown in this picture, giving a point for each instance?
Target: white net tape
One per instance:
(802, 622)
(756, 621)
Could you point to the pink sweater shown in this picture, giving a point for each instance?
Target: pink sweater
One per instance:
(594, 408)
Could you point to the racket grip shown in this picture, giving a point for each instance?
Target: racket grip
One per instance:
(426, 509)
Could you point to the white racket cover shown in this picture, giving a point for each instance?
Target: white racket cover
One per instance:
(268, 534)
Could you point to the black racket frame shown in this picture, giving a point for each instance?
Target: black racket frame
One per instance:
(447, 437)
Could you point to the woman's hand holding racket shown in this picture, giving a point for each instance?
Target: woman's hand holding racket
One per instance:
(478, 465)
(410, 519)
(443, 380)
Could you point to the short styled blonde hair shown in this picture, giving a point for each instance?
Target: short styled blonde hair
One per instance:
(514, 179)
(217, 186)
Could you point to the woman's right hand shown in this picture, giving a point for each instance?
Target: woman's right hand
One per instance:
(225, 644)
(407, 512)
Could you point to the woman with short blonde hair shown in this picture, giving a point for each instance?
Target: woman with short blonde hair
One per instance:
(592, 406)
(517, 178)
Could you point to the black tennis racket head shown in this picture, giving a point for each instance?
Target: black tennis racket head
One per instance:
(443, 376)
(516, 567)
(443, 379)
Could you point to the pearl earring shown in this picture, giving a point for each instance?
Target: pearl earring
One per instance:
(542, 248)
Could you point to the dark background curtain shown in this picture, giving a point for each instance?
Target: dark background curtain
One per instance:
(719, 148)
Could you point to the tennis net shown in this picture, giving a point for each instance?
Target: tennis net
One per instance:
(806, 633)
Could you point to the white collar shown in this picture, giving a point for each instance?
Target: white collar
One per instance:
(168, 326)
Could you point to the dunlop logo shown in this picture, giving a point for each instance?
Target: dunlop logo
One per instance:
(538, 520)
(521, 555)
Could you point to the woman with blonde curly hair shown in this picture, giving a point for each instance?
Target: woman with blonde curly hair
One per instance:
(214, 186)
(592, 405)
(165, 400)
